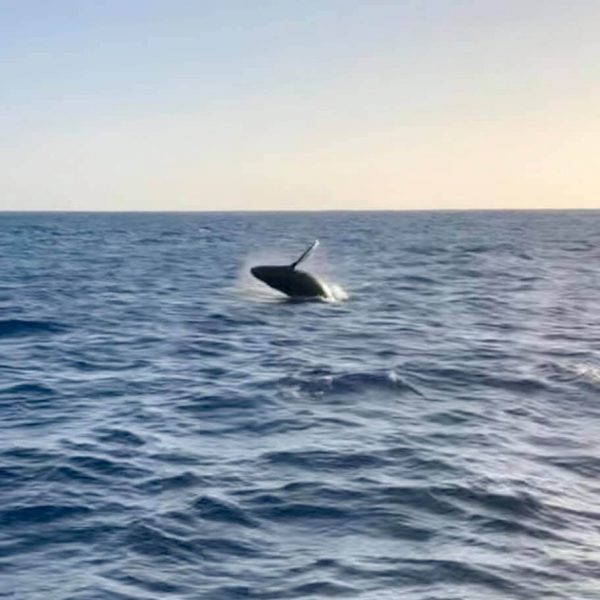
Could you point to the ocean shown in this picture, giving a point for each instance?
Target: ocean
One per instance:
(172, 428)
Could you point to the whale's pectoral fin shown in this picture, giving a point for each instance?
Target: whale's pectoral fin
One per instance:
(305, 254)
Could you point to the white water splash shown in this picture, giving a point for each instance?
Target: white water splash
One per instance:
(335, 292)
(587, 371)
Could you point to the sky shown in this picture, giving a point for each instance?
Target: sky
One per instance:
(286, 105)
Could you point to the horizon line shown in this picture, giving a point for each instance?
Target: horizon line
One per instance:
(295, 211)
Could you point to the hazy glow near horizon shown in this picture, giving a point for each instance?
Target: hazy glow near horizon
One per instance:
(328, 104)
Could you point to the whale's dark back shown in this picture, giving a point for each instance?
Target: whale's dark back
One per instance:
(290, 281)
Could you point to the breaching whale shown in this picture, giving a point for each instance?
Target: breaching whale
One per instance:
(291, 281)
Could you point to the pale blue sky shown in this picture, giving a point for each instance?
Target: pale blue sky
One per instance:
(131, 105)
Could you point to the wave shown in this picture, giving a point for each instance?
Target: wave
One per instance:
(40, 513)
(321, 382)
(18, 327)
(28, 390)
(563, 372)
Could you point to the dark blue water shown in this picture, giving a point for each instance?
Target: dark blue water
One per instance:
(170, 430)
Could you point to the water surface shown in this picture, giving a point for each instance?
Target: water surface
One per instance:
(170, 429)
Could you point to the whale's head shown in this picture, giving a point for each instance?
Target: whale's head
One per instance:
(269, 274)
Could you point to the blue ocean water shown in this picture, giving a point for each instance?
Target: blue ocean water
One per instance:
(171, 429)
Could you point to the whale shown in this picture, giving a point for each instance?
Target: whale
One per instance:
(292, 281)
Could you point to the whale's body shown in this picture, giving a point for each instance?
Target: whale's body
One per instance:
(291, 281)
